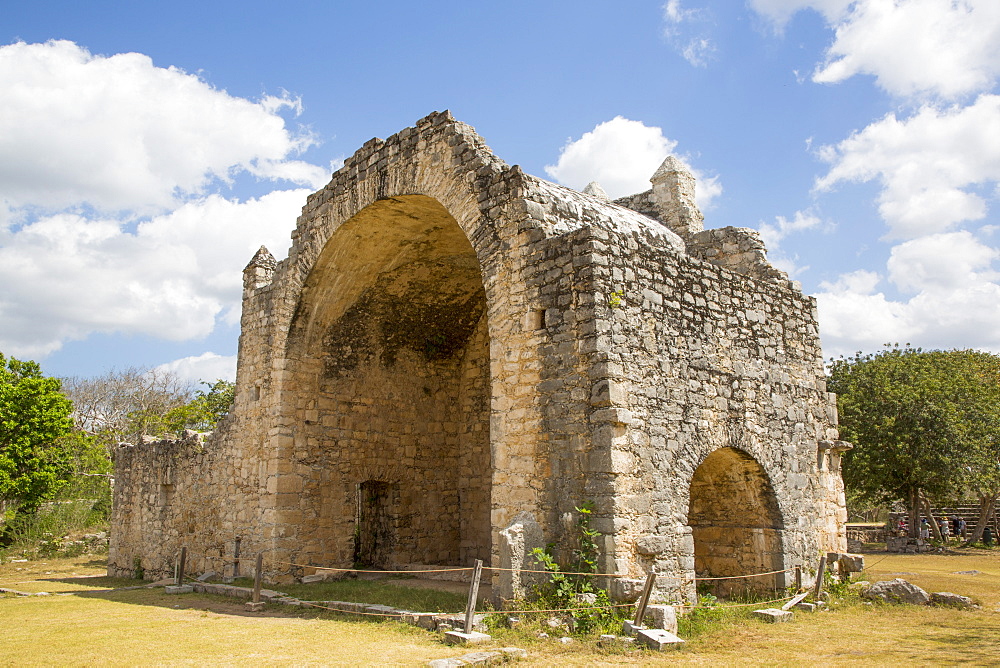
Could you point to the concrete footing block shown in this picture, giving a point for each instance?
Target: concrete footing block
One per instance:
(178, 589)
(461, 638)
(773, 615)
(630, 629)
(658, 639)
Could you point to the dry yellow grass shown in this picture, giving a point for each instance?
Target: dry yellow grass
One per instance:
(142, 627)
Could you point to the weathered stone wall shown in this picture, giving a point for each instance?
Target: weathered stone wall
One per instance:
(698, 358)
(193, 493)
(455, 355)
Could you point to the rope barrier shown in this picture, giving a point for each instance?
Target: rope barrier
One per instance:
(358, 612)
(660, 576)
(734, 605)
(525, 612)
(360, 570)
(739, 577)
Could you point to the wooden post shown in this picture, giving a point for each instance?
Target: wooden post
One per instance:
(798, 577)
(180, 567)
(470, 607)
(647, 591)
(236, 559)
(820, 572)
(256, 577)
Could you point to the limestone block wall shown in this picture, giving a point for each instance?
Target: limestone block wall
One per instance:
(454, 355)
(197, 492)
(697, 358)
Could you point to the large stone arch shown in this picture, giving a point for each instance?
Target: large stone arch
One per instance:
(389, 349)
(453, 343)
(736, 523)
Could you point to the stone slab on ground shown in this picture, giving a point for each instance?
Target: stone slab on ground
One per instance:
(178, 589)
(424, 620)
(805, 607)
(773, 615)
(255, 607)
(462, 638)
(206, 576)
(798, 598)
(658, 639)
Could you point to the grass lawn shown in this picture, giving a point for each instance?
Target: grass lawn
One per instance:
(83, 623)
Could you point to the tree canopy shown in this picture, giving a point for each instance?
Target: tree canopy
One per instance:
(925, 424)
(34, 416)
(125, 405)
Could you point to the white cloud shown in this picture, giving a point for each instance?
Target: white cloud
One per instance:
(926, 164)
(207, 367)
(942, 48)
(118, 133)
(782, 227)
(773, 234)
(65, 276)
(946, 48)
(942, 263)
(959, 311)
(622, 155)
(688, 30)
(935, 165)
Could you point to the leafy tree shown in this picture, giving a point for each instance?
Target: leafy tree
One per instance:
(205, 410)
(34, 416)
(924, 424)
(125, 405)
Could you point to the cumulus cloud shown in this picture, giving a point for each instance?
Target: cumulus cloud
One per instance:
(966, 317)
(937, 165)
(688, 31)
(947, 48)
(942, 263)
(772, 235)
(66, 276)
(207, 367)
(926, 164)
(942, 48)
(951, 292)
(622, 155)
(119, 133)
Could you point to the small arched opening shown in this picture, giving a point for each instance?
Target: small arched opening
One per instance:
(736, 525)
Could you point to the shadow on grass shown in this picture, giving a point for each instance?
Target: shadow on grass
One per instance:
(139, 592)
(970, 638)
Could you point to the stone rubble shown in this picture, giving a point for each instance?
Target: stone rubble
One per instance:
(896, 591)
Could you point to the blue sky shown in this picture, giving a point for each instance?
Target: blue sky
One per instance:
(147, 149)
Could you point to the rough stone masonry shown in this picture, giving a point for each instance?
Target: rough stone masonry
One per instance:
(455, 355)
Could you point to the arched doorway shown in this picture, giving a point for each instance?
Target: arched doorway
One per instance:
(736, 524)
(390, 353)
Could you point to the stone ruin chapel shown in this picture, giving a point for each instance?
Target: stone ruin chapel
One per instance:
(455, 355)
